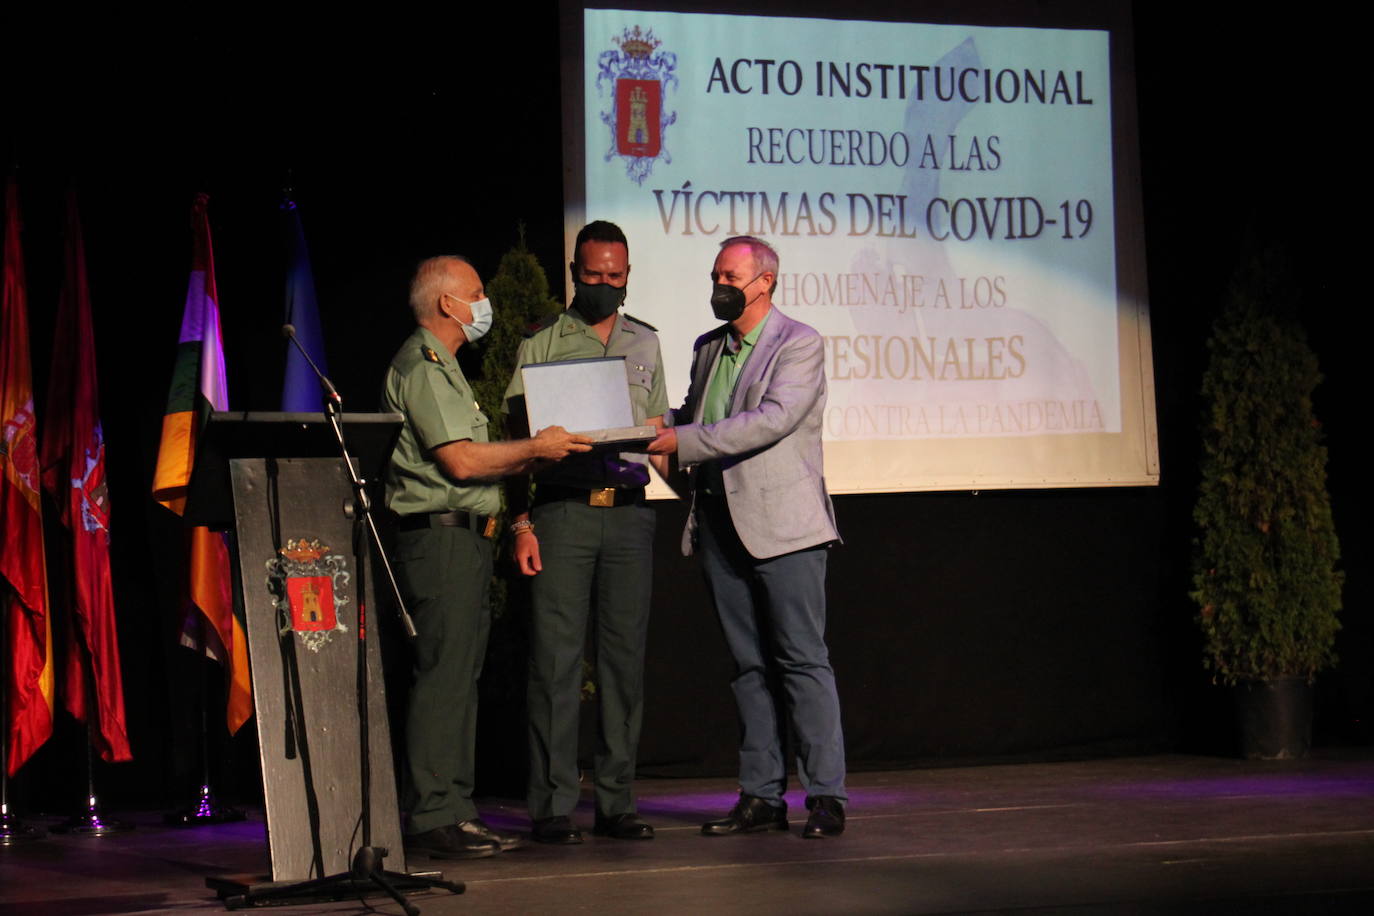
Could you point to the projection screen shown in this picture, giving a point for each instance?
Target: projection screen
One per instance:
(956, 209)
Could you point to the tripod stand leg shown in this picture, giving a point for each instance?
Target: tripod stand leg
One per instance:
(366, 875)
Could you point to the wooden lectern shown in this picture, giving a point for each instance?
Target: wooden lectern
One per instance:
(276, 480)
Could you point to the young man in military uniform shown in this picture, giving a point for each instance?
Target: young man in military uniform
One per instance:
(589, 528)
(441, 484)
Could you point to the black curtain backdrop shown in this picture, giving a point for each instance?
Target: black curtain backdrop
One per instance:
(963, 627)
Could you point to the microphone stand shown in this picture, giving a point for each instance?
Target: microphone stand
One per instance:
(366, 872)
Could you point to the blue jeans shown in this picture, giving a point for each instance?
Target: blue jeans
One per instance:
(772, 613)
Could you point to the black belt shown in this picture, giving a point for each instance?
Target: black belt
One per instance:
(604, 497)
(482, 525)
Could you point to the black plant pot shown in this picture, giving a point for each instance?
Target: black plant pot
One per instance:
(1274, 718)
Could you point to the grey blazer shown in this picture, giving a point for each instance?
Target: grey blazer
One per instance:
(769, 447)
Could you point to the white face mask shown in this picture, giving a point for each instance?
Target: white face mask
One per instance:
(481, 319)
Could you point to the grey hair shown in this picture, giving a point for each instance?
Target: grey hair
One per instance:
(433, 278)
(765, 258)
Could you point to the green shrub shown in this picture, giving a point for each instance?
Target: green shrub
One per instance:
(519, 292)
(1265, 575)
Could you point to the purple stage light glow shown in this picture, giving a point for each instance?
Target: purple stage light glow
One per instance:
(1277, 785)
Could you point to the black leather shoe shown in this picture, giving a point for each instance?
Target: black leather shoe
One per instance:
(448, 842)
(623, 827)
(558, 830)
(749, 815)
(478, 827)
(827, 817)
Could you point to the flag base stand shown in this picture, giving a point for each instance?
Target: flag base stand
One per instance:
(92, 823)
(365, 879)
(205, 811)
(13, 831)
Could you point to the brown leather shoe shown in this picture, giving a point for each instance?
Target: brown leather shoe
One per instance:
(827, 817)
(750, 815)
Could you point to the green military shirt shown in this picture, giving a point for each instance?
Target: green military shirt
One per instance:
(569, 337)
(425, 384)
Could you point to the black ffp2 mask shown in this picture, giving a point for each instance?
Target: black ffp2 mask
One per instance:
(727, 302)
(595, 301)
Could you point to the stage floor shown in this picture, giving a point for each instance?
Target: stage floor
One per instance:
(1163, 834)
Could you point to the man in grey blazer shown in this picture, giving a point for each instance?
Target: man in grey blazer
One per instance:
(749, 435)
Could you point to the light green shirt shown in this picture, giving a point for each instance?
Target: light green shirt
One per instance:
(569, 337)
(425, 384)
(721, 391)
(733, 356)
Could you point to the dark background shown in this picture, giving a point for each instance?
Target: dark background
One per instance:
(964, 628)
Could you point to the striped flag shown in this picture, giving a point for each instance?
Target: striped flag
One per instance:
(300, 390)
(74, 473)
(25, 602)
(199, 386)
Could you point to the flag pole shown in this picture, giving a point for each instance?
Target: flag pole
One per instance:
(201, 359)
(13, 831)
(204, 809)
(73, 476)
(91, 822)
(16, 379)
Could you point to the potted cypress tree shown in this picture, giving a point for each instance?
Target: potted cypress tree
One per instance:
(520, 291)
(1265, 575)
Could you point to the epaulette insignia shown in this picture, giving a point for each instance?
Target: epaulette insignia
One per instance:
(537, 326)
(431, 355)
(638, 321)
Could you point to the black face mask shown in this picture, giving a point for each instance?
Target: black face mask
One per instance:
(727, 302)
(595, 301)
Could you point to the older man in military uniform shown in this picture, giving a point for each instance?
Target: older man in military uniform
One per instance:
(589, 530)
(441, 485)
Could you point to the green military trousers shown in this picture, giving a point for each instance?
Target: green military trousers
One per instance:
(605, 553)
(444, 574)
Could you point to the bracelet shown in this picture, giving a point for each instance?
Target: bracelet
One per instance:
(518, 528)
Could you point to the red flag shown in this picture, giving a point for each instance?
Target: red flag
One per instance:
(198, 386)
(74, 473)
(21, 521)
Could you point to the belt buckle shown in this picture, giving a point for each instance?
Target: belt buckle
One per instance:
(489, 530)
(604, 497)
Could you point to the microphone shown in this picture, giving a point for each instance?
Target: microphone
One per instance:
(289, 332)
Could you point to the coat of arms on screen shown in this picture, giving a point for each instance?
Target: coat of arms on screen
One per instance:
(311, 586)
(637, 76)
